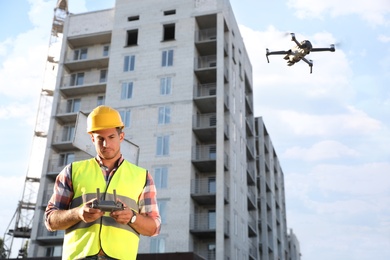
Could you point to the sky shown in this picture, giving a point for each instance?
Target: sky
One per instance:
(330, 129)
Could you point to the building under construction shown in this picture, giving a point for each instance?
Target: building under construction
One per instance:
(179, 74)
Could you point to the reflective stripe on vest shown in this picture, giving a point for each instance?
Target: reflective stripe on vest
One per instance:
(86, 239)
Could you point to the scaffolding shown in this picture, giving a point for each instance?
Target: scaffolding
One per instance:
(20, 225)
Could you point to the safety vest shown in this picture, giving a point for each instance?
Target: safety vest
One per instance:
(116, 240)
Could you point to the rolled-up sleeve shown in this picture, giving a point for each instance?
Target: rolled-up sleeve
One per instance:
(62, 194)
(148, 203)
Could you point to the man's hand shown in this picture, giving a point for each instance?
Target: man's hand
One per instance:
(144, 224)
(122, 216)
(88, 214)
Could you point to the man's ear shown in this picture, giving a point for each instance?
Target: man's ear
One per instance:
(122, 136)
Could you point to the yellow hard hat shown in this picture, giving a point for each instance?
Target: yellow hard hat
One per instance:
(103, 117)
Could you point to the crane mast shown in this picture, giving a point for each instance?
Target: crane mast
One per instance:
(20, 225)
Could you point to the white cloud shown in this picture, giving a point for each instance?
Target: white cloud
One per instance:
(384, 38)
(375, 12)
(369, 179)
(352, 122)
(342, 206)
(18, 111)
(4, 46)
(23, 61)
(342, 189)
(321, 151)
(339, 240)
(39, 14)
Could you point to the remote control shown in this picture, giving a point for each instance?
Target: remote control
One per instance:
(106, 205)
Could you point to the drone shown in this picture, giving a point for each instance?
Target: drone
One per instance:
(299, 52)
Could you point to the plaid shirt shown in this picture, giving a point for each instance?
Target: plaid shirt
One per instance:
(63, 194)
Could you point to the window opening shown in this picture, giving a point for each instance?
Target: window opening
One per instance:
(133, 18)
(169, 32)
(132, 37)
(170, 12)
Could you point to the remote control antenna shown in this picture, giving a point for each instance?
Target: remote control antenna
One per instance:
(84, 196)
(98, 194)
(114, 195)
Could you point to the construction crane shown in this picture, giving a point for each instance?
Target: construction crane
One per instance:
(21, 223)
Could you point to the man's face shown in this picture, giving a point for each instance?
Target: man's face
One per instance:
(107, 143)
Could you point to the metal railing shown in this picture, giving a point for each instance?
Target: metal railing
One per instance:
(204, 152)
(205, 90)
(207, 186)
(206, 222)
(87, 79)
(209, 34)
(201, 121)
(204, 186)
(204, 62)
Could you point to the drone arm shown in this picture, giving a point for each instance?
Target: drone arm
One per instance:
(331, 48)
(275, 53)
(278, 52)
(309, 62)
(295, 40)
(267, 53)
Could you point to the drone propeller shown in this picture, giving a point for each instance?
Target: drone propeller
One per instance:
(338, 44)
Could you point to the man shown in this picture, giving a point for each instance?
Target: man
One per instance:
(91, 233)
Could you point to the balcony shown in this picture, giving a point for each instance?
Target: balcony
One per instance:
(206, 68)
(203, 191)
(203, 225)
(226, 102)
(91, 83)
(206, 41)
(63, 140)
(56, 165)
(250, 149)
(251, 199)
(253, 249)
(88, 40)
(250, 173)
(66, 117)
(49, 237)
(248, 86)
(249, 104)
(205, 127)
(250, 126)
(204, 158)
(86, 64)
(205, 97)
(252, 227)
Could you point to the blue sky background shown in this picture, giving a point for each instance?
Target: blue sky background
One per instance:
(331, 129)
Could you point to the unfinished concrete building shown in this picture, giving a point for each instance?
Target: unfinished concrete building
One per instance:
(179, 73)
